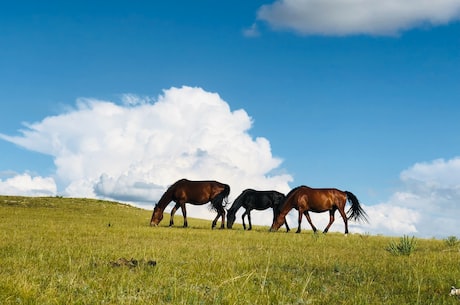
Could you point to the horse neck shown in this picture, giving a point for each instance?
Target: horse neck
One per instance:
(237, 204)
(285, 206)
(165, 199)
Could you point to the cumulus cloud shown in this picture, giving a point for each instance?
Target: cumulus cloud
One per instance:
(427, 204)
(133, 151)
(26, 185)
(351, 17)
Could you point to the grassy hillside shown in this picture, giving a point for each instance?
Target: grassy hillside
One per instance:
(80, 251)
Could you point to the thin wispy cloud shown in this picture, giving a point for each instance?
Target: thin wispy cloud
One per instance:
(252, 31)
(355, 17)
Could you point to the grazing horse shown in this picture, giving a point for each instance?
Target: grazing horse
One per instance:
(304, 199)
(258, 200)
(193, 192)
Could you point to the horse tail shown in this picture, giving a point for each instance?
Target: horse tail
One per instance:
(221, 200)
(225, 193)
(356, 212)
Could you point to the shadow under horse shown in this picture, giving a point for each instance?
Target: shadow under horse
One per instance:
(305, 199)
(255, 200)
(194, 192)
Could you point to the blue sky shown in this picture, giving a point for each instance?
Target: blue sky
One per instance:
(119, 99)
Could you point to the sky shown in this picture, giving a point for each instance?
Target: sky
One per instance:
(117, 100)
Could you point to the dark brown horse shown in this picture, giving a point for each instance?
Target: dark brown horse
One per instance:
(193, 192)
(305, 199)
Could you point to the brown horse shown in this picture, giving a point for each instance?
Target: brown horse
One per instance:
(304, 199)
(194, 192)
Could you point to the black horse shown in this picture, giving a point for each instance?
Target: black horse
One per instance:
(260, 200)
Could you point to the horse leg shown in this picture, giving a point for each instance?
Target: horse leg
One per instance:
(249, 220)
(310, 222)
(345, 219)
(173, 211)
(184, 213)
(286, 224)
(299, 220)
(331, 220)
(222, 224)
(220, 212)
(242, 217)
(214, 222)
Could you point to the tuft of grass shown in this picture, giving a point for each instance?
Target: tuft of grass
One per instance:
(451, 241)
(406, 246)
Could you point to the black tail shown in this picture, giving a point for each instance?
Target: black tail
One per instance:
(356, 212)
(221, 200)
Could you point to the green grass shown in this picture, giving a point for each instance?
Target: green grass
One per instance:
(61, 251)
(406, 246)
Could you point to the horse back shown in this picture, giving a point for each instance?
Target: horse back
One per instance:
(317, 199)
(198, 192)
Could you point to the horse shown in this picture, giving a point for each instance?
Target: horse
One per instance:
(194, 192)
(305, 199)
(259, 200)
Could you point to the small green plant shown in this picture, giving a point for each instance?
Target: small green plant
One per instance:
(452, 241)
(405, 246)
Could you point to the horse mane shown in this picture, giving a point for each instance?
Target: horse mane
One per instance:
(238, 202)
(282, 205)
(293, 190)
(166, 197)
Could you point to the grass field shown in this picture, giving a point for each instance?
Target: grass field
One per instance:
(68, 251)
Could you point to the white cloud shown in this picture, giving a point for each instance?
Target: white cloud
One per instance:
(351, 17)
(135, 100)
(132, 152)
(252, 31)
(427, 205)
(26, 185)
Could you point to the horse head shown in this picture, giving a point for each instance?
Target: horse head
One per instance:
(157, 216)
(230, 219)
